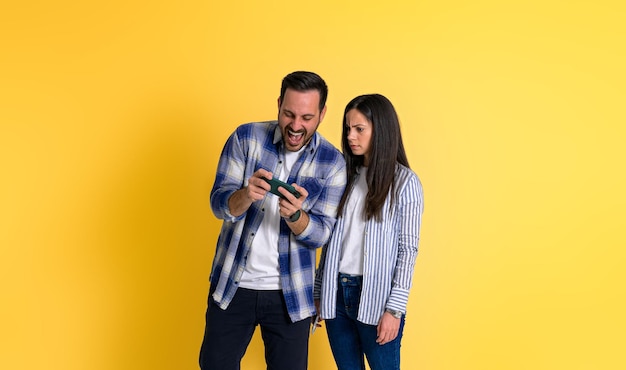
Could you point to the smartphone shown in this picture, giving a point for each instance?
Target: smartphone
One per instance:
(276, 183)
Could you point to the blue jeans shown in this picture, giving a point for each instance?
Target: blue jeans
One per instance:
(351, 340)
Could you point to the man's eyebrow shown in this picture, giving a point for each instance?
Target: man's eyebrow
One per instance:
(306, 115)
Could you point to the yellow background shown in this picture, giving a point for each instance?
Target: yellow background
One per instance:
(113, 114)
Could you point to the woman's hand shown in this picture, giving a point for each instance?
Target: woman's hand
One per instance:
(387, 328)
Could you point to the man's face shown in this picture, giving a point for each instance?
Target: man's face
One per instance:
(298, 117)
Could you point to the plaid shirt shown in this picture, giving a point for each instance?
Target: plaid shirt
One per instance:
(320, 169)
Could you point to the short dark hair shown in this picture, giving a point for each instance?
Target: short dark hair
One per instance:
(305, 81)
(386, 150)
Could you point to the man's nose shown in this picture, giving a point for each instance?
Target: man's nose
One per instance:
(297, 124)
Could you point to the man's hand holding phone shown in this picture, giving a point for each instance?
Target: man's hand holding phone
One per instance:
(275, 184)
(291, 197)
(257, 186)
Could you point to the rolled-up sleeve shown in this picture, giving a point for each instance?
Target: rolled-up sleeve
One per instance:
(229, 178)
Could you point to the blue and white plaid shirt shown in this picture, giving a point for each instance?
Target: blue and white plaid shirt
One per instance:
(320, 169)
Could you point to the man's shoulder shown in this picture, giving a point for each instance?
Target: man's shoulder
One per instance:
(257, 127)
(254, 132)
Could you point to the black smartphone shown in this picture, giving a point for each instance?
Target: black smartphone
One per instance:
(276, 183)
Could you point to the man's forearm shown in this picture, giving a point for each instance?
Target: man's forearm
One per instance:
(239, 202)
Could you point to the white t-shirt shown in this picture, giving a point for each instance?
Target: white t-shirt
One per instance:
(351, 261)
(261, 271)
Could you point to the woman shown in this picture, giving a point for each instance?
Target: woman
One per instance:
(366, 269)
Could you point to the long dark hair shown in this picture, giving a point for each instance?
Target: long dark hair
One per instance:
(386, 149)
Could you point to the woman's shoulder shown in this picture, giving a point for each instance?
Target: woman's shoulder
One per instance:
(407, 179)
(405, 173)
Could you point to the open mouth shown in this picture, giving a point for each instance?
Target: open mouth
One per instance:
(295, 138)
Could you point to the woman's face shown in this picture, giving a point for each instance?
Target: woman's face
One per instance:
(359, 134)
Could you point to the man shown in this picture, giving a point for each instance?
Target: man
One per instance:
(263, 270)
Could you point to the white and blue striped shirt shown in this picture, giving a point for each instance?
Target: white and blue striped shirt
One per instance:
(390, 249)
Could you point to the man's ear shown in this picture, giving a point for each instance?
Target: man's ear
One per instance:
(278, 103)
(322, 114)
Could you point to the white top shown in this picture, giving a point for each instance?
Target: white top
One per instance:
(261, 271)
(351, 261)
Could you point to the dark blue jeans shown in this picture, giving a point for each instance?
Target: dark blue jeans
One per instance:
(350, 339)
(228, 332)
